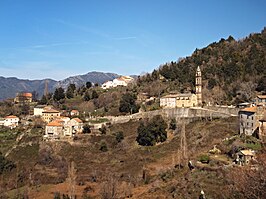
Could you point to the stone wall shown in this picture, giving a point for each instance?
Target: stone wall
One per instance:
(186, 113)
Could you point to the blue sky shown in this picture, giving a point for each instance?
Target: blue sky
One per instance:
(61, 38)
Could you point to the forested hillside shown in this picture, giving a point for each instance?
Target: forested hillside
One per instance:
(232, 70)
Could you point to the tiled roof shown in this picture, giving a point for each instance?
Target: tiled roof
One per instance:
(11, 116)
(178, 95)
(50, 111)
(77, 120)
(262, 96)
(250, 109)
(54, 123)
(27, 94)
(247, 152)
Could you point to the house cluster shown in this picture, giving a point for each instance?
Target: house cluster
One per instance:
(58, 126)
(252, 122)
(63, 127)
(252, 118)
(10, 121)
(120, 81)
(184, 99)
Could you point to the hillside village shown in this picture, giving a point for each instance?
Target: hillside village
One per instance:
(135, 138)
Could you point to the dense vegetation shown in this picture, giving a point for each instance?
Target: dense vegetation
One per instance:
(154, 131)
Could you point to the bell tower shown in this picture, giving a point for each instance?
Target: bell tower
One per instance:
(199, 86)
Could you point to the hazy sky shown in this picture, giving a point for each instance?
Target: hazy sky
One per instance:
(61, 38)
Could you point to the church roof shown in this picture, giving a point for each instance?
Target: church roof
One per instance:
(179, 95)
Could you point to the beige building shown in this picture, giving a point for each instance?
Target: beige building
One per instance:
(179, 100)
(184, 99)
(49, 115)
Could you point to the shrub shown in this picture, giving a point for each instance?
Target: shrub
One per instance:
(119, 136)
(86, 129)
(103, 130)
(204, 158)
(103, 146)
(172, 124)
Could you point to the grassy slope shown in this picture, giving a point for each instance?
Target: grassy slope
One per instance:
(126, 161)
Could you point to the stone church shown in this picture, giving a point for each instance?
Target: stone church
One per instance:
(185, 99)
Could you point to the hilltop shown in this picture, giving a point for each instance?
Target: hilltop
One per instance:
(232, 70)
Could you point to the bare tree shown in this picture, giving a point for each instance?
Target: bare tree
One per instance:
(72, 179)
(109, 189)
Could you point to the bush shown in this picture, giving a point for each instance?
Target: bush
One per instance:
(119, 136)
(204, 158)
(172, 124)
(5, 165)
(103, 130)
(103, 147)
(86, 129)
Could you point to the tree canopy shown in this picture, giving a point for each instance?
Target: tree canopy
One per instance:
(152, 132)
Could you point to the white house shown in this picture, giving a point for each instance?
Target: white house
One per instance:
(37, 111)
(11, 121)
(120, 81)
(107, 85)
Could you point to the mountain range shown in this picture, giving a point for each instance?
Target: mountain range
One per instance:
(12, 85)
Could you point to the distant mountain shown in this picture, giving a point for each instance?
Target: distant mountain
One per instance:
(94, 77)
(12, 85)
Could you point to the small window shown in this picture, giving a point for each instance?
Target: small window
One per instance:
(247, 123)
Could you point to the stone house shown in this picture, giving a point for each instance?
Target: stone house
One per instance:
(23, 98)
(73, 127)
(63, 128)
(249, 120)
(244, 157)
(54, 130)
